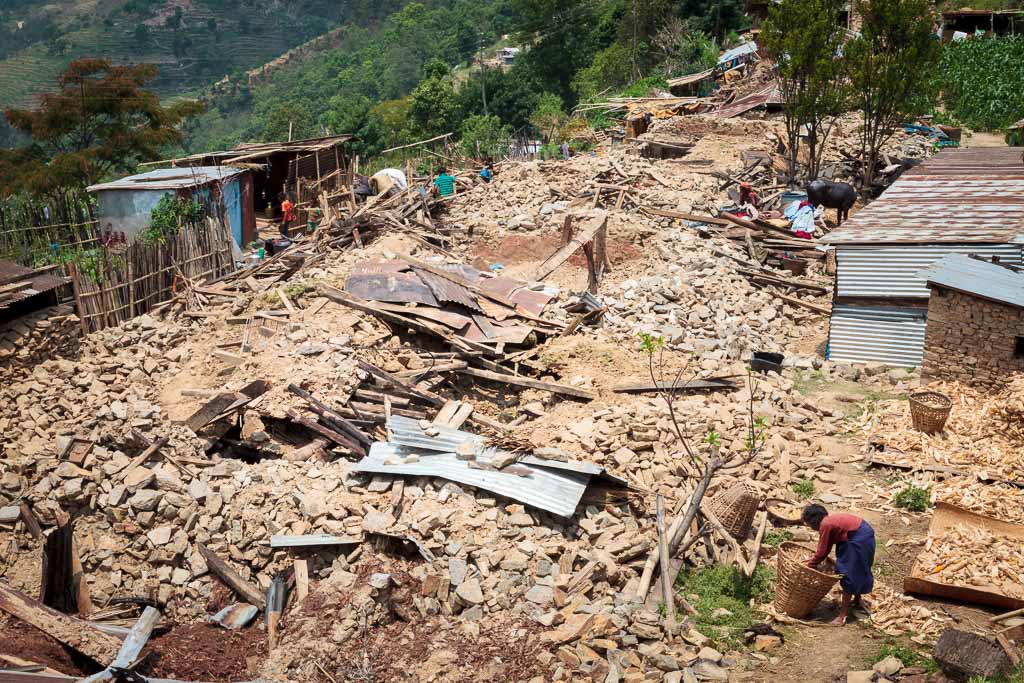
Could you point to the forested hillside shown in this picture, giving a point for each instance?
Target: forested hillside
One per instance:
(194, 42)
(414, 75)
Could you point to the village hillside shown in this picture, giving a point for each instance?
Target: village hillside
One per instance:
(598, 341)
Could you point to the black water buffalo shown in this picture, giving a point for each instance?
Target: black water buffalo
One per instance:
(831, 195)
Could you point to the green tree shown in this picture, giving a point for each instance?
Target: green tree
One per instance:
(890, 66)
(805, 38)
(547, 116)
(434, 108)
(288, 119)
(684, 49)
(717, 18)
(141, 35)
(100, 120)
(485, 137)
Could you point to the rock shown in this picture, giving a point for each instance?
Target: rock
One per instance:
(830, 498)
(705, 670)
(139, 478)
(457, 570)
(145, 500)
(710, 654)
(766, 643)
(860, 676)
(540, 595)
(888, 666)
(520, 519)
(470, 592)
(160, 536)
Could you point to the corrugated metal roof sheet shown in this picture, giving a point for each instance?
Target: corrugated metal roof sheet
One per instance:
(446, 290)
(690, 78)
(736, 52)
(11, 272)
(169, 179)
(769, 93)
(557, 492)
(894, 271)
(877, 334)
(971, 195)
(979, 278)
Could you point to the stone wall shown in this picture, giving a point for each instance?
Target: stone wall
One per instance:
(49, 333)
(970, 339)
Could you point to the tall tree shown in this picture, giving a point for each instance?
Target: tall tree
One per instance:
(715, 17)
(805, 38)
(434, 109)
(890, 66)
(100, 120)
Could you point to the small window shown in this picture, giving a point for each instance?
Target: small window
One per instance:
(1018, 348)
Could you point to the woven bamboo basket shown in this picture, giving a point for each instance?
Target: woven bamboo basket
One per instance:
(929, 410)
(735, 508)
(798, 588)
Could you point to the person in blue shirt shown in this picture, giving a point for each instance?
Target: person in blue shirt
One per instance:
(487, 173)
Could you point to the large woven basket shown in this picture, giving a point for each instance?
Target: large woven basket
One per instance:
(929, 410)
(735, 508)
(798, 588)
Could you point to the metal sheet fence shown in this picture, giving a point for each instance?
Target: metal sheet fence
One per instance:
(119, 284)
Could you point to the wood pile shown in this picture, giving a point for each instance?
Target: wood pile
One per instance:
(992, 500)
(978, 438)
(971, 556)
(896, 614)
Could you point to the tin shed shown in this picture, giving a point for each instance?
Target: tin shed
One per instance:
(125, 205)
(961, 201)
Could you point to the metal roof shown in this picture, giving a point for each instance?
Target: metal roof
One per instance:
(891, 335)
(972, 195)
(556, 492)
(978, 278)
(769, 93)
(170, 178)
(744, 49)
(690, 78)
(43, 280)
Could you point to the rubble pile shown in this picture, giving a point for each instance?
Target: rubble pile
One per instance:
(50, 333)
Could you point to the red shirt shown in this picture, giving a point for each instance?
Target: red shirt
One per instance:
(286, 209)
(834, 529)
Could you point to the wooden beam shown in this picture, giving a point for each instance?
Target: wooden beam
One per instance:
(77, 634)
(231, 578)
(531, 383)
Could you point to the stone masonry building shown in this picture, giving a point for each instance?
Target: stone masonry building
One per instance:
(975, 330)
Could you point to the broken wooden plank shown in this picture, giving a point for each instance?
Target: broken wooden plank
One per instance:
(692, 385)
(231, 578)
(530, 383)
(301, 569)
(131, 650)
(597, 222)
(32, 524)
(77, 634)
(140, 460)
(323, 409)
(401, 385)
(329, 434)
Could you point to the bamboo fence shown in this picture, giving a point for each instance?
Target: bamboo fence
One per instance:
(32, 230)
(131, 281)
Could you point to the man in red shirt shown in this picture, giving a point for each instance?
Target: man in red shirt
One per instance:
(854, 540)
(287, 215)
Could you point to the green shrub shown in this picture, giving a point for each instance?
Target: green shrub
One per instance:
(725, 587)
(804, 489)
(913, 498)
(777, 537)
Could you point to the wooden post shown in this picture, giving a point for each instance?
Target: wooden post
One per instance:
(667, 590)
(231, 578)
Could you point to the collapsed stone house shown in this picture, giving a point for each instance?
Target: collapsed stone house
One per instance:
(975, 330)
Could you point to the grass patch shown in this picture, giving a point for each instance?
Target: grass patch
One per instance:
(1016, 677)
(777, 537)
(892, 648)
(804, 489)
(725, 587)
(807, 383)
(913, 498)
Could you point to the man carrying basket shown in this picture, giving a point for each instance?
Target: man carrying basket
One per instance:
(854, 540)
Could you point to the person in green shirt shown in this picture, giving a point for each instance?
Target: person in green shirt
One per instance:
(444, 184)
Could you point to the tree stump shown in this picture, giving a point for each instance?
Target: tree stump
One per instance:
(963, 655)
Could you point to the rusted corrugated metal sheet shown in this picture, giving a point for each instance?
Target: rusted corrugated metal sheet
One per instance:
(11, 273)
(765, 95)
(973, 195)
(446, 290)
(404, 288)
